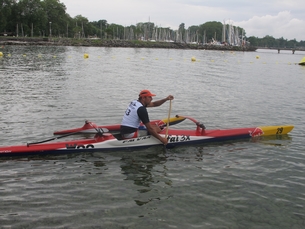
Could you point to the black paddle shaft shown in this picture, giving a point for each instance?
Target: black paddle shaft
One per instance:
(51, 139)
(98, 130)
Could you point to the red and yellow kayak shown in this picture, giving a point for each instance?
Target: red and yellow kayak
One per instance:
(105, 140)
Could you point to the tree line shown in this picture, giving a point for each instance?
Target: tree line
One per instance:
(271, 42)
(48, 18)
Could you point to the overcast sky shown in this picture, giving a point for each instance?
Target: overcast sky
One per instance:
(277, 18)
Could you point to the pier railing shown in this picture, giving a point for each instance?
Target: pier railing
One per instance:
(293, 50)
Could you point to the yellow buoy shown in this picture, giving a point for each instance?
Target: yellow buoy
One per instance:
(86, 55)
(302, 62)
(193, 59)
(1, 54)
(257, 57)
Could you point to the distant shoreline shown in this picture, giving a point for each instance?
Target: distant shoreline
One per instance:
(117, 43)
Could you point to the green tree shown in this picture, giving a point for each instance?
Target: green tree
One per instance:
(57, 21)
(253, 41)
(115, 31)
(292, 43)
(81, 24)
(181, 33)
(268, 41)
(99, 28)
(213, 30)
(6, 9)
(281, 42)
(193, 34)
(31, 16)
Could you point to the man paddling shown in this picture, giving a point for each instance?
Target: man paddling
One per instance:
(136, 112)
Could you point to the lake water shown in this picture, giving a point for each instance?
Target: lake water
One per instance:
(241, 184)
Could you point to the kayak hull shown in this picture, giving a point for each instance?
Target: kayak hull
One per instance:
(107, 141)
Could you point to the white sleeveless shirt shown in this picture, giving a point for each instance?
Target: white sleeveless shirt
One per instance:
(131, 117)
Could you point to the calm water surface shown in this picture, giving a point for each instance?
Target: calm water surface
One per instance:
(243, 184)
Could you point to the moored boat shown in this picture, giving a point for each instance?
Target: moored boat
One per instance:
(105, 140)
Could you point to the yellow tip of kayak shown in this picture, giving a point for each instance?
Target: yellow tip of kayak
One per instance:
(302, 62)
(275, 130)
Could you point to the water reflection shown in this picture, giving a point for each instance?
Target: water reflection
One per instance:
(275, 140)
(145, 170)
